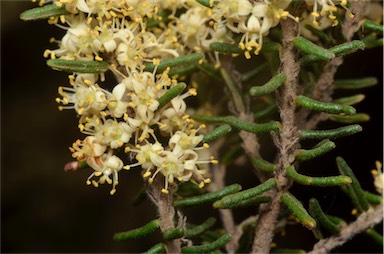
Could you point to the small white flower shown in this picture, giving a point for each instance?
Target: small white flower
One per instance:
(106, 168)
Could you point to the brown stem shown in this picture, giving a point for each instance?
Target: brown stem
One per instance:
(286, 144)
(363, 222)
(166, 211)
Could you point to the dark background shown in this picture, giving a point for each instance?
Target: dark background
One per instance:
(44, 209)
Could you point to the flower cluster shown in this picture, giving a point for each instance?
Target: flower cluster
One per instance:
(128, 121)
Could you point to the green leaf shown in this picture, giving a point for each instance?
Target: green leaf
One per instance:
(138, 232)
(327, 107)
(207, 198)
(378, 238)
(183, 71)
(174, 62)
(173, 233)
(322, 36)
(372, 26)
(331, 134)
(317, 181)
(354, 191)
(310, 48)
(357, 118)
(228, 48)
(219, 243)
(316, 211)
(371, 41)
(233, 199)
(257, 200)
(216, 133)
(44, 12)
(240, 124)
(322, 148)
(264, 165)
(338, 50)
(297, 208)
(78, 66)
(355, 83)
(170, 94)
(350, 100)
(234, 91)
(158, 248)
(268, 87)
(348, 48)
(373, 198)
(197, 230)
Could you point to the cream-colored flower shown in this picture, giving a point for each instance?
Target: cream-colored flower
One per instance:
(106, 168)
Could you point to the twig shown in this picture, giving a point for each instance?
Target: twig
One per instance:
(286, 144)
(364, 221)
(166, 212)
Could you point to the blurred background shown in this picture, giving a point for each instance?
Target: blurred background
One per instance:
(44, 209)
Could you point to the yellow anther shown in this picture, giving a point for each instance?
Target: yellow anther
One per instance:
(113, 14)
(247, 55)
(374, 172)
(165, 191)
(97, 58)
(350, 14)
(98, 173)
(52, 39)
(192, 91)
(58, 100)
(148, 173)
(113, 191)
(208, 180)
(315, 14)
(156, 61)
(214, 162)
(46, 53)
(87, 82)
(378, 164)
(354, 211)
(62, 18)
(201, 185)
(88, 182)
(127, 167)
(205, 145)
(95, 183)
(81, 127)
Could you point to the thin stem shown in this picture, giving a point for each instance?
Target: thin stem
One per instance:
(166, 212)
(287, 143)
(363, 222)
